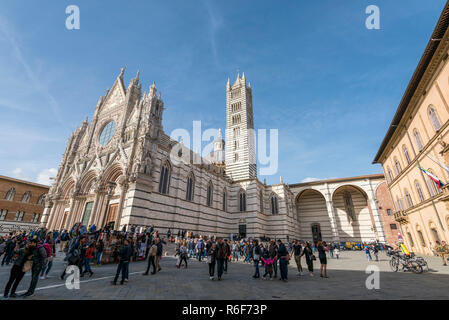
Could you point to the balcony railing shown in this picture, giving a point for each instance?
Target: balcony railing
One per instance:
(401, 217)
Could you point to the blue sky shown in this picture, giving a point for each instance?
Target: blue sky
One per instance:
(328, 84)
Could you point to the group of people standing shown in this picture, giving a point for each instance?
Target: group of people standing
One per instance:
(28, 253)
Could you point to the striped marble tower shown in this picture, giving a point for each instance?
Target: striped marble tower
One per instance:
(240, 137)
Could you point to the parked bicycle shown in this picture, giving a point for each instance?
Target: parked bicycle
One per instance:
(406, 263)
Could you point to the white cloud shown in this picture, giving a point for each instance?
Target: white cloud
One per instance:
(19, 174)
(44, 176)
(309, 180)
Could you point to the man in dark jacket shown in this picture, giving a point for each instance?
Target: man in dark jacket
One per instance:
(273, 249)
(297, 250)
(39, 258)
(282, 257)
(123, 265)
(73, 255)
(222, 254)
(17, 273)
(9, 250)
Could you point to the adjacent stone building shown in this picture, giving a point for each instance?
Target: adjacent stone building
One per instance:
(340, 209)
(418, 137)
(386, 209)
(21, 204)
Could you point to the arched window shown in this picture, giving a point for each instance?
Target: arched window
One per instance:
(419, 190)
(406, 154)
(19, 216)
(164, 180)
(408, 199)
(190, 185)
(209, 197)
(435, 235)
(418, 140)
(242, 201)
(261, 201)
(434, 118)
(389, 175)
(26, 197)
(274, 205)
(10, 194)
(421, 238)
(225, 200)
(410, 239)
(397, 166)
(35, 218)
(400, 203)
(3, 214)
(349, 206)
(41, 199)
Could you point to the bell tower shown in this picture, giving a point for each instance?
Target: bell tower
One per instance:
(240, 137)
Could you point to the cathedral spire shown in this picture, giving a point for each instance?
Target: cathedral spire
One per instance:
(152, 91)
(122, 71)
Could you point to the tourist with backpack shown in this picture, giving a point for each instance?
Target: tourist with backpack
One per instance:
(64, 238)
(72, 255)
(200, 248)
(19, 269)
(39, 256)
(48, 262)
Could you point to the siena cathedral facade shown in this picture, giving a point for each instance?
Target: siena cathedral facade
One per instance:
(117, 170)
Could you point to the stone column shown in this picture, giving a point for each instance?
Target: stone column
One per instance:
(331, 214)
(100, 220)
(46, 214)
(53, 214)
(333, 222)
(376, 215)
(97, 208)
(124, 187)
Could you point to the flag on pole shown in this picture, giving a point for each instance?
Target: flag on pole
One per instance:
(445, 167)
(434, 178)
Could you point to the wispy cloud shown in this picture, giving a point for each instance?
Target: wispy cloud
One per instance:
(7, 32)
(216, 22)
(44, 176)
(19, 174)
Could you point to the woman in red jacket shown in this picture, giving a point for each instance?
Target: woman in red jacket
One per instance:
(89, 256)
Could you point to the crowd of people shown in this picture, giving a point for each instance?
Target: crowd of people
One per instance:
(34, 251)
(83, 247)
(271, 255)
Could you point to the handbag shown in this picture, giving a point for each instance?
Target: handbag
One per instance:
(209, 259)
(27, 266)
(313, 257)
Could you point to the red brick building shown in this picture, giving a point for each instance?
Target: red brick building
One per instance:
(385, 206)
(21, 204)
